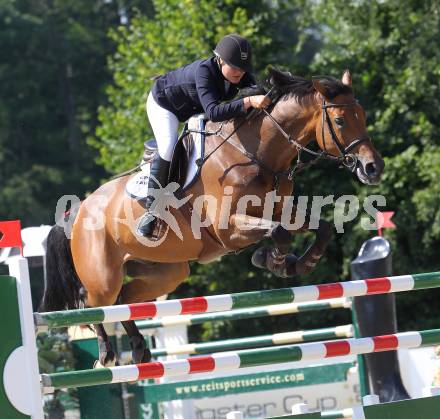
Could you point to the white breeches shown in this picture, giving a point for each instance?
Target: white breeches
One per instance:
(165, 127)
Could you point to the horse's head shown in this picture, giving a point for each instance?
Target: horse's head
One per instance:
(341, 129)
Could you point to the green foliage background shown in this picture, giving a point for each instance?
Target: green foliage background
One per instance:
(74, 76)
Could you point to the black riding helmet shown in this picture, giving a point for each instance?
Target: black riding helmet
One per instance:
(235, 51)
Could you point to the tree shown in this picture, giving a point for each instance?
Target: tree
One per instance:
(52, 73)
(391, 49)
(180, 32)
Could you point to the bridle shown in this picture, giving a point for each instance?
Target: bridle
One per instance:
(346, 158)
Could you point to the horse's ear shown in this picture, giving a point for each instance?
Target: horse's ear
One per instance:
(346, 78)
(319, 86)
(271, 76)
(278, 77)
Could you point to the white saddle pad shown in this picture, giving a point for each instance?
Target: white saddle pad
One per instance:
(138, 183)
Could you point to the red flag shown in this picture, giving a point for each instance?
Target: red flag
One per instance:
(10, 234)
(383, 220)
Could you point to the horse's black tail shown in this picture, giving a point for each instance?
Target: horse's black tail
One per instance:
(62, 289)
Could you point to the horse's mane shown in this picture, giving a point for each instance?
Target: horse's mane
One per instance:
(286, 86)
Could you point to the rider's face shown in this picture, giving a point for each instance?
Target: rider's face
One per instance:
(231, 74)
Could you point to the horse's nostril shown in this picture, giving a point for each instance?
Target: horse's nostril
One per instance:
(371, 169)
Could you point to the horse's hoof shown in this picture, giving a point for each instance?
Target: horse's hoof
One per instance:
(139, 350)
(107, 360)
(141, 357)
(259, 257)
(147, 356)
(97, 364)
(282, 239)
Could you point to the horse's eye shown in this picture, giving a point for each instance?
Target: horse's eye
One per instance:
(339, 121)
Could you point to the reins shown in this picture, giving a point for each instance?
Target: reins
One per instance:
(248, 117)
(347, 159)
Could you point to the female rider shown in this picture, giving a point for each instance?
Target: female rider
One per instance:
(195, 88)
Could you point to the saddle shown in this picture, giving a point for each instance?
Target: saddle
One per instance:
(189, 147)
(184, 171)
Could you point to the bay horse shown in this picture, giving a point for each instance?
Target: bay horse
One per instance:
(246, 157)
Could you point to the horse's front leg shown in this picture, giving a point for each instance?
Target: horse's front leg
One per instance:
(245, 230)
(248, 229)
(277, 258)
(284, 264)
(323, 234)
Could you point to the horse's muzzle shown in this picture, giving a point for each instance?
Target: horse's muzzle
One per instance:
(369, 171)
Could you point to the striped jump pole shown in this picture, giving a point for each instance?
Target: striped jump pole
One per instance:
(237, 301)
(345, 331)
(246, 313)
(227, 361)
(338, 414)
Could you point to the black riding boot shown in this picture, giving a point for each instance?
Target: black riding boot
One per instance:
(159, 171)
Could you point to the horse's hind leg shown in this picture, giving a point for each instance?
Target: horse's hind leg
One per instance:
(139, 350)
(104, 295)
(152, 281)
(101, 275)
(323, 233)
(107, 357)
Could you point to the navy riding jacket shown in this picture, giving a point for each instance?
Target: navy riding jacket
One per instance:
(200, 87)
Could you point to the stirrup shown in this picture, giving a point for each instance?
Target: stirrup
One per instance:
(146, 225)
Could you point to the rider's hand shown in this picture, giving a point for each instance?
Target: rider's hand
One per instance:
(257, 102)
